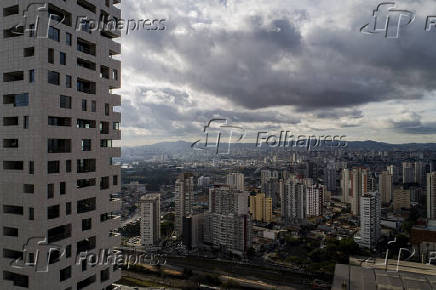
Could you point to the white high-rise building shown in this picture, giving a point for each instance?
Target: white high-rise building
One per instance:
(150, 219)
(359, 186)
(431, 195)
(370, 213)
(293, 202)
(57, 126)
(314, 200)
(235, 180)
(184, 197)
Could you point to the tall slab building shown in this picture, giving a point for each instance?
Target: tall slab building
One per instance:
(57, 125)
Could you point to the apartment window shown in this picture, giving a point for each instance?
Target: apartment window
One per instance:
(68, 208)
(10, 143)
(50, 55)
(68, 82)
(116, 125)
(31, 214)
(84, 105)
(65, 274)
(10, 232)
(53, 167)
(17, 279)
(68, 39)
(31, 167)
(10, 121)
(85, 124)
(106, 143)
(18, 100)
(115, 180)
(54, 78)
(26, 122)
(115, 74)
(13, 165)
(68, 250)
(59, 121)
(86, 224)
(32, 30)
(82, 183)
(104, 275)
(12, 10)
(54, 33)
(86, 205)
(14, 31)
(59, 233)
(86, 165)
(86, 145)
(62, 188)
(53, 212)
(68, 166)
(14, 76)
(63, 58)
(104, 183)
(50, 191)
(29, 51)
(106, 109)
(59, 146)
(29, 188)
(104, 127)
(31, 76)
(12, 209)
(93, 106)
(65, 102)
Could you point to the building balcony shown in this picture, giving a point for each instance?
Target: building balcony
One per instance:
(115, 100)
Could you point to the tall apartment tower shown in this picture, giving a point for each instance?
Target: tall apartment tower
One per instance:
(184, 198)
(235, 180)
(408, 172)
(150, 219)
(261, 207)
(370, 213)
(385, 184)
(57, 125)
(346, 185)
(359, 186)
(431, 195)
(293, 202)
(314, 200)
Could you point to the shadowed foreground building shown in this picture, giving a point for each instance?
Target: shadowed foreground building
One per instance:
(57, 125)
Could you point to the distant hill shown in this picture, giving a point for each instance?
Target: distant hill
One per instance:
(182, 147)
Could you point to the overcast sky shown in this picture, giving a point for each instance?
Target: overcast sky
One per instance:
(302, 66)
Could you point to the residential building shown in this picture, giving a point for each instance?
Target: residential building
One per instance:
(431, 195)
(235, 180)
(57, 176)
(401, 199)
(261, 208)
(150, 219)
(314, 200)
(370, 214)
(184, 197)
(385, 186)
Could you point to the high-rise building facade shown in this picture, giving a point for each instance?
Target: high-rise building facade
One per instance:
(385, 183)
(359, 186)
(150, 219)
(314, 200)
(235, 180)
(408, 173)
(431, 196)
(293, 202)
(56, 174)
(261, 207)
(346, 185)
(228, 224)
(401, 199)
(184, 197)
(370, 214)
